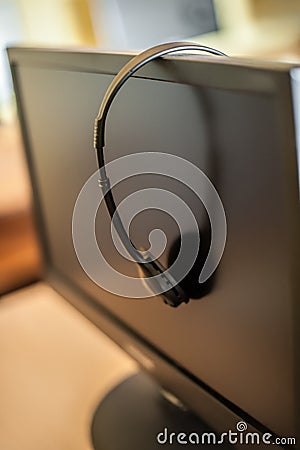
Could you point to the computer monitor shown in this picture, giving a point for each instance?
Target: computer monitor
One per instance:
(229, 355)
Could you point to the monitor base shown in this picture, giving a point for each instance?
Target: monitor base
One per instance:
(134, 413)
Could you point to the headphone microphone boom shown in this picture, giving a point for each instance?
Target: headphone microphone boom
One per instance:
(172, 293)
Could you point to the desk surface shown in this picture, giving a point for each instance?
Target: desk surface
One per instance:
(55, 366)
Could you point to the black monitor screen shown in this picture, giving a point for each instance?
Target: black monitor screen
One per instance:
(235, 123)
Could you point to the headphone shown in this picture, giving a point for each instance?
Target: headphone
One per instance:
(172, 294)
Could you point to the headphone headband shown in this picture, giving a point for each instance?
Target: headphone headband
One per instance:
(171, 291)
(129, 69)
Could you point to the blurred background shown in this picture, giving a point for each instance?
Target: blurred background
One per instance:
(265, 29)
(55, 366)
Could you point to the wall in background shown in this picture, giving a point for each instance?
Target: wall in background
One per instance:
(36, 23)
(257, 28)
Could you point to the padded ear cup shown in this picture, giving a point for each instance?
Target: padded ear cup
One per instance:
(172, 293)
(190, 283)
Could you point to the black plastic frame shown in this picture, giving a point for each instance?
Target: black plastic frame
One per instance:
(264, 77)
